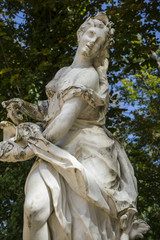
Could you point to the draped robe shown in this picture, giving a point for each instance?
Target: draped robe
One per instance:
(88, 173)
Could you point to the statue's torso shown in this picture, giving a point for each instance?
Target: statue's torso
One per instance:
(66, 79)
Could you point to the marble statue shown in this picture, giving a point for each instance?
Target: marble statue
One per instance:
(82, 185)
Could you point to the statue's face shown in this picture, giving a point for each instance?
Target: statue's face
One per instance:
(92, 40)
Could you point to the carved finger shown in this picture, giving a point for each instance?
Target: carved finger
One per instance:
(5, 104)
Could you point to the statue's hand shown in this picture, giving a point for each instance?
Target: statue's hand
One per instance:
(13, 106)
(17, 101)
(27, 131)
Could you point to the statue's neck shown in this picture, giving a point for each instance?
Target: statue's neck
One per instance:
(81, 61)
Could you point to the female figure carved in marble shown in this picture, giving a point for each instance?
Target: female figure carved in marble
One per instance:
(82, 185)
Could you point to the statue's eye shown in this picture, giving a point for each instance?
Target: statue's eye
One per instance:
(91, 33)
(101, 25)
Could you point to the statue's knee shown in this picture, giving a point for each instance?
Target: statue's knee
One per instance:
(36, 213)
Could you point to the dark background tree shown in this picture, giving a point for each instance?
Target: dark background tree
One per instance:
(37, 38)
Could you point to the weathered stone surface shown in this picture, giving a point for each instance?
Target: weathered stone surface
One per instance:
(82, 185)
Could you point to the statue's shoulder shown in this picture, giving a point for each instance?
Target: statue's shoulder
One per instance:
(60, 72)
(51, 86)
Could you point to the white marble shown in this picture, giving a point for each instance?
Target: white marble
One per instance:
(82, 185)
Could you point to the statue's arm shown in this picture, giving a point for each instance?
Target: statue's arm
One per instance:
(70, 111)
(12, 152)
(34, 111)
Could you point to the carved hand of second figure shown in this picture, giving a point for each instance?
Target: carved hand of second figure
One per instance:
(16, 105)
(13, 106)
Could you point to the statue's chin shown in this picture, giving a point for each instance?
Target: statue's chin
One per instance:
(85, 52)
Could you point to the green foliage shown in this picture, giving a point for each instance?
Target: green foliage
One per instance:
(142, 90)
(12, 178)
(37, 38)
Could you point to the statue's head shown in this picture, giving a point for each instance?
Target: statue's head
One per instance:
(95, 37)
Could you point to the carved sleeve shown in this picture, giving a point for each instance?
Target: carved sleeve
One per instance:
(87, 94)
